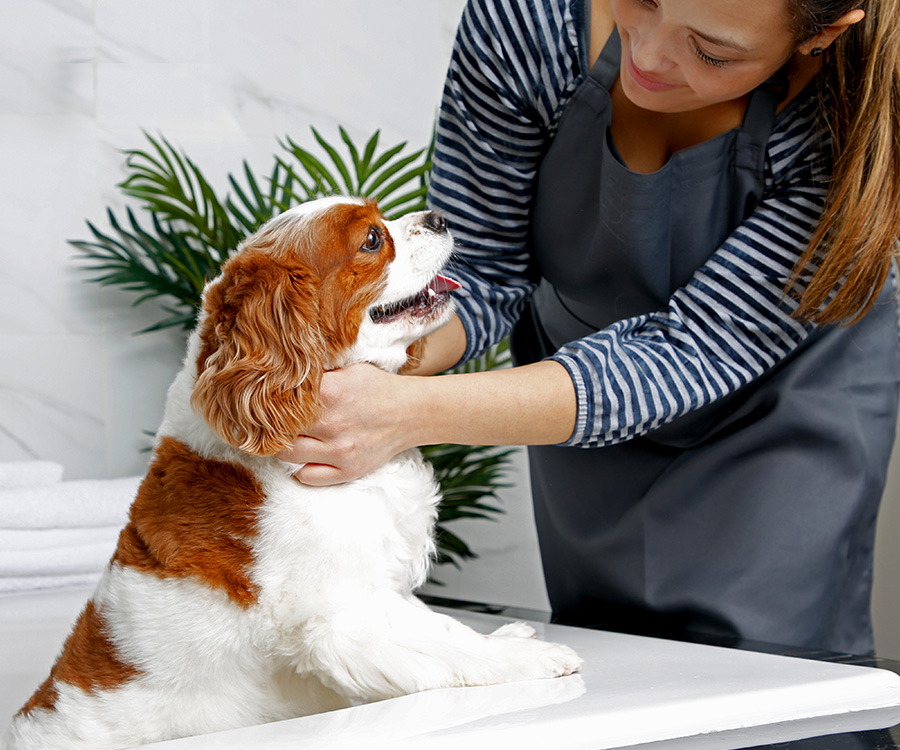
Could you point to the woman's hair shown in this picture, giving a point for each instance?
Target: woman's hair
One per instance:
(852, 248)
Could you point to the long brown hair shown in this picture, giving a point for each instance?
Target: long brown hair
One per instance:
(852, 248)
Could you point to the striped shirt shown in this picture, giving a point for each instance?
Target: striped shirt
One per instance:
(515, 65)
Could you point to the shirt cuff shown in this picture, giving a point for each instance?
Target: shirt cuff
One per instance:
(584, 394)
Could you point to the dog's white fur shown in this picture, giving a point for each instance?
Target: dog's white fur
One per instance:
(335, 621)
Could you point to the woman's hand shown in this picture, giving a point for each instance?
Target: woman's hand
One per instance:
(361, 427)
(369, 416)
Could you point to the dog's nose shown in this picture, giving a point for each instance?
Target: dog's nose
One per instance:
(435, 222)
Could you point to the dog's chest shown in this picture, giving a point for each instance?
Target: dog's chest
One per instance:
(372, 533)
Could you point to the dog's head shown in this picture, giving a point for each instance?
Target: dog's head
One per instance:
(323, 285)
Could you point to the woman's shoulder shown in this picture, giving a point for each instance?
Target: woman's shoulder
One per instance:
(521, 9)
(524, 56)
(533, 27)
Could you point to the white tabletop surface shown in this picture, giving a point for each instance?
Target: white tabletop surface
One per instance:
(632, 692)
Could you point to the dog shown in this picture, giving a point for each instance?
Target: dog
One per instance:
(237, 595)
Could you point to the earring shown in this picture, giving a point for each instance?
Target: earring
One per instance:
(815, 52)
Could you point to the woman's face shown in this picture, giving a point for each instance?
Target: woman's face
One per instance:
(682, 55)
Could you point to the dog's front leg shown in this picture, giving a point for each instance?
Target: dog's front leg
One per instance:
(383, 646)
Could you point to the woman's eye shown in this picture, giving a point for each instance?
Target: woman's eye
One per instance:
(709, 59)
(373, 241)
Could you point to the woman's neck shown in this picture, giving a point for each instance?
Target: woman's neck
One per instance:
(646, 140)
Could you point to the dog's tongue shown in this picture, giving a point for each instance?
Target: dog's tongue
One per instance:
(443, 284)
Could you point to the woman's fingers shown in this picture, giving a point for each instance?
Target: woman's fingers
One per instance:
(321, 475)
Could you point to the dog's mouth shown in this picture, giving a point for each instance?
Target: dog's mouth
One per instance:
(422, 305)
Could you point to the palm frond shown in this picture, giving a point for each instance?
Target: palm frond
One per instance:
(349, 187)
(170, 185)
(323, 182)
(159, 264)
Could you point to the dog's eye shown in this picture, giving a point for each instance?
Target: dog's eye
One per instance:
(373, 242)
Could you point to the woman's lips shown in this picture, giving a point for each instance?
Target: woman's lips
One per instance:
(646, 82)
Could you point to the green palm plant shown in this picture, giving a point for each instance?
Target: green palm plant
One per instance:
(184, 231)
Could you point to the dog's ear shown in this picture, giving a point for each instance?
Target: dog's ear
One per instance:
(259, 366)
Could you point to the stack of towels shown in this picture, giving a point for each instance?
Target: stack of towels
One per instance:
(55, 533)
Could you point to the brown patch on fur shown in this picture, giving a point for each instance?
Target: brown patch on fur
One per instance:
(88, 661)
(193, 517)
(284, 309)
(414, 353)
(353, 279)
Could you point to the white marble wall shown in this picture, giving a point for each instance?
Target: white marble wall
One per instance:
(79, 80)
(222, 79)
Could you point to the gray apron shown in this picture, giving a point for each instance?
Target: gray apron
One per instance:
(753, 517)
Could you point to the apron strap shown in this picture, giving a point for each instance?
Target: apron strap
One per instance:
(606, 69)
(759, 119)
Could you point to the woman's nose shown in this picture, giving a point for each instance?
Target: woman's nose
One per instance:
(649, 52)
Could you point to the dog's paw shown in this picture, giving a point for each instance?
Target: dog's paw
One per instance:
(528, 658)
(567, 659)
(539, 660)
(554, 660)
(514, 630)
(545, 659)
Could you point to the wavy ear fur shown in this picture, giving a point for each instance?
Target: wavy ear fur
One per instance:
(260, 359)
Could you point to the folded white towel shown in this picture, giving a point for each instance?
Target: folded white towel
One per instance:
(68, 559)
(32, 540)
(41, 583)
(78, 504)
(28, 473)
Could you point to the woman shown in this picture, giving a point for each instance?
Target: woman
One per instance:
(674, 206)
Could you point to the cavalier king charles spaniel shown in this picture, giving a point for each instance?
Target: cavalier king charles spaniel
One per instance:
(237, 595)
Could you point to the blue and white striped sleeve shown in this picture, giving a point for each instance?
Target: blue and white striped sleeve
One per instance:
(514, 64)
(729, 325)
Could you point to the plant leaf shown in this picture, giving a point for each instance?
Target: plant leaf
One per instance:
(337, 161)
(389, 170)
(316, 170)
(380, 162)
(365, 168)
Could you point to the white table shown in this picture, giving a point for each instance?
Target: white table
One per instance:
(632, 692)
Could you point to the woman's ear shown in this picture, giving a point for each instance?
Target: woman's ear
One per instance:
(260, 360)
(825, 38)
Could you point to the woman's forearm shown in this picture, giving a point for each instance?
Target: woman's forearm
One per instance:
(530, 405)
